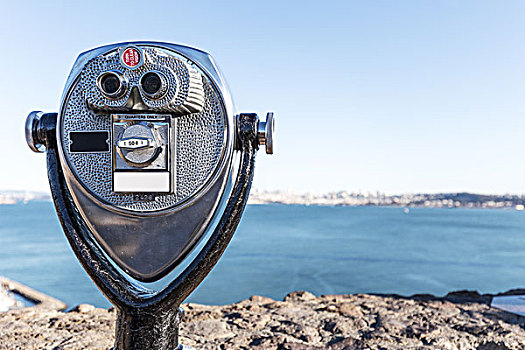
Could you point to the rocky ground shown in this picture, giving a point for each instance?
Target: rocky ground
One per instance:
(461, 320)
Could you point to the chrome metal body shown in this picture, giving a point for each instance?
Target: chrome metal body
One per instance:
(148, 238)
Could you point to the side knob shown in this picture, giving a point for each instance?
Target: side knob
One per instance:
(265, 132)
(32, 132)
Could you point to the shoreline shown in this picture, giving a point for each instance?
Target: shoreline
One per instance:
(38, 299)
(337, 205)
(383, 206)
(345, 198)
(460, 320)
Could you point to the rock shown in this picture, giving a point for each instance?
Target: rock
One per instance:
(300, 295)
(83, 308)
(7, 300)
(517, 291)
(468, 296)
(461, 320)
(492, 346)
(349, 309)
(260, 299)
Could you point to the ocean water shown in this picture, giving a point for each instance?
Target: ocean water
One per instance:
(282, 248)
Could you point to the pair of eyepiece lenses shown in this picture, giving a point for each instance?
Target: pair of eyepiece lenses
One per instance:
(113, 84)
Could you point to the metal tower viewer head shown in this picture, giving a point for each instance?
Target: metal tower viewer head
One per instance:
(141, 160)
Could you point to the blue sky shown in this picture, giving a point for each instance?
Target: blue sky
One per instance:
(397, 96)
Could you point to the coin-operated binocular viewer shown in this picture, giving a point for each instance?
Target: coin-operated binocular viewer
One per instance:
(150, 170)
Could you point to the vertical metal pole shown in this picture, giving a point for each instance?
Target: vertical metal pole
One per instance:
(153, 328)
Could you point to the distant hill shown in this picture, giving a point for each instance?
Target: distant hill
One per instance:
(433, 200)
(13, 197)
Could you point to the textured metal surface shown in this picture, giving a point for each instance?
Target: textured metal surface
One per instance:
(201, 137)
(148, 320)
(185, 93)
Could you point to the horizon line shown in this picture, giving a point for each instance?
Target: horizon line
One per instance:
(300, 192)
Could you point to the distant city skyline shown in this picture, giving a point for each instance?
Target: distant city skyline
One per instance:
(343, 198)
(396, 96)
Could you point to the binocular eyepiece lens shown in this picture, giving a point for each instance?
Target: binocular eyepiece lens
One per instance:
(110, 83)
(154, 84)
(151, 83)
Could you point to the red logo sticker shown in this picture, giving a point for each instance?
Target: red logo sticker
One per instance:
(131, 57)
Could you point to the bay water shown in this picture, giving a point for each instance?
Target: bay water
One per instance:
(281, 248)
